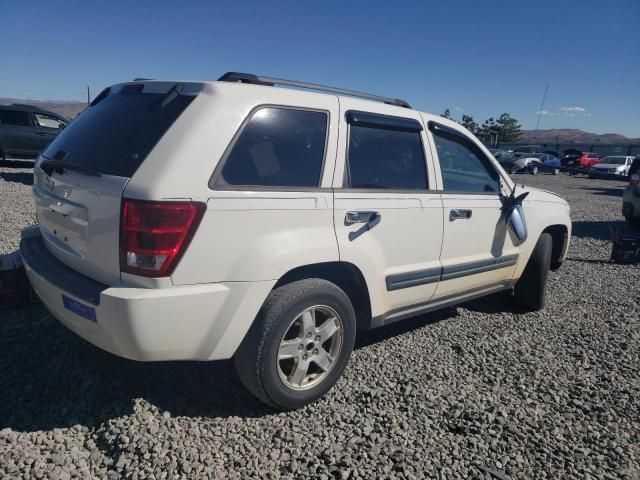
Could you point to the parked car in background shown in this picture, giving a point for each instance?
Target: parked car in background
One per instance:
(26, 130)
(535, 163)
(614, 165)
(589, 159)
(631, 195)
(203, 221)
(571, 158)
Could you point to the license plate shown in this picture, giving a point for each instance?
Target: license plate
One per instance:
(80, 309)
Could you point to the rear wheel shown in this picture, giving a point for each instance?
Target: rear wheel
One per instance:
(530, 289)
(299, 344)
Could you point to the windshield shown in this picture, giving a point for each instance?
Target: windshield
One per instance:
(115, 134)
(614, 160)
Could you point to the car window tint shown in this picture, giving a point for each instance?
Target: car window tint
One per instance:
(14, 117)
(47, 121)
(390, 159)
(278, 147)
(464, 168)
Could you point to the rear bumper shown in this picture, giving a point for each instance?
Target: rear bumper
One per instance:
(194, 322)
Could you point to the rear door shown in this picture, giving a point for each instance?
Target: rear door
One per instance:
(16, 132)
(78, 207)
(388, 215)
(477, 250)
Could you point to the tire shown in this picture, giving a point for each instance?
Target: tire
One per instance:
(534, 171)
(257, 359)
(530, 289)
(556, 171)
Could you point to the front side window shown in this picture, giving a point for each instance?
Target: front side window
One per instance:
(464, 167)
(47, 121)
(278, 147)
(14, 117)
(385, 159)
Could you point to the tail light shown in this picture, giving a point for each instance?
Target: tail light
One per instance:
(154, 235)
(634, 179)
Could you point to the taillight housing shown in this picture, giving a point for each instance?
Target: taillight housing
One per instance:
(634, 179)
(154, 235)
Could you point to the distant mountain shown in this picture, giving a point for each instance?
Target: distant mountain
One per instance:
(68, 109)
(573, 135)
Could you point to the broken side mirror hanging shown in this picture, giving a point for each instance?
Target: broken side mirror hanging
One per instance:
(514, 214)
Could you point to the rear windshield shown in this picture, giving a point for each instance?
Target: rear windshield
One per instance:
(116, 133)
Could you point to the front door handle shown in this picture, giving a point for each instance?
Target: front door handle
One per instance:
(459, 214)
(361, 216)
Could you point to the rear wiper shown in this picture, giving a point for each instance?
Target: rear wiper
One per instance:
(60, 166)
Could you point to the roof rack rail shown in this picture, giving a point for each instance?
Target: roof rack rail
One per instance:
(270, 82)
(141, 79)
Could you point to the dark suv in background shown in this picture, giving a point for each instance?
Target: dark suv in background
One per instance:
(26, 130)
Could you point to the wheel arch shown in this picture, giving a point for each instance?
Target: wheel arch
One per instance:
(560, 237)
(345, 275)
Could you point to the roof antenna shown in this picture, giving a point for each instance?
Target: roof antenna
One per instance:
(544, 97)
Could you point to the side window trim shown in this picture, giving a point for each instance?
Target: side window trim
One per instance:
(383, 122)
(217, 172)
(435, 127)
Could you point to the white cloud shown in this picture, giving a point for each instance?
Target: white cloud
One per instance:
(573, 109)
(545, 112)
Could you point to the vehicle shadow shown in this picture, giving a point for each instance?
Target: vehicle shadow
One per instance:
(607, 191)
(57, 380)
(17, 163)
(17, 177)
(599, 230)
(366, 338)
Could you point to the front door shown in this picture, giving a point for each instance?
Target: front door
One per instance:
(478, 252)
(387, 213)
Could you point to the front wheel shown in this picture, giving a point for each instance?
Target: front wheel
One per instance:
(298, 345)
(530, 289)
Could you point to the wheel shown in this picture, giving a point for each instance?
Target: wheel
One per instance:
(556, 171)
(534, 171)
(298, 345)
(529, 291)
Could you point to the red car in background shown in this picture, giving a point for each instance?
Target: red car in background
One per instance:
(588, 159)
(576, 158)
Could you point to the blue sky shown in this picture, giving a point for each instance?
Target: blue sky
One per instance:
(476, 57)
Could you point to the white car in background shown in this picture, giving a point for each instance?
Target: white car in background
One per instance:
(613, 165)
(233, 219)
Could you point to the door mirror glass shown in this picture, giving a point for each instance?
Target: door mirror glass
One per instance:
(518, 224)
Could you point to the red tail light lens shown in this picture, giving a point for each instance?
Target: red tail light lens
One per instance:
(154, 235)
(634, 179)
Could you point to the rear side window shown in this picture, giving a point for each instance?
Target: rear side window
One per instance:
(47, 121)
(117, 132)
(14, 117)
(278, 147)
(464, 167)
(385, 158)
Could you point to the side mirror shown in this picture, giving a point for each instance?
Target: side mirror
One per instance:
(518, 223)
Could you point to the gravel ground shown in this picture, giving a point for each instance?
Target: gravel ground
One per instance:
(468, 391)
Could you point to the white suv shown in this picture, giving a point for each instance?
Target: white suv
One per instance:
(211, 220)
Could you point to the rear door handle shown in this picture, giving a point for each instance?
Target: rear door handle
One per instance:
(459, 214)
(362, 216)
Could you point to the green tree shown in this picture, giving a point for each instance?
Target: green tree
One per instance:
(489, 132)
(509, 128)
(470, 124)
(446, 114)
